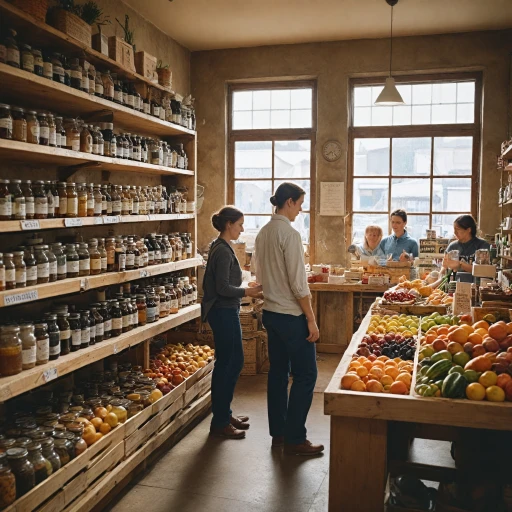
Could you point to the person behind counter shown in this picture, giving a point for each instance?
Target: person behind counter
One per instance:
(467, 244)
(399, 244)
(371, 244)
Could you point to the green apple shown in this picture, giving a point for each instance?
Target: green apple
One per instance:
(461, 358)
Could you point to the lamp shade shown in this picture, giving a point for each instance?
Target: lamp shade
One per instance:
(390, 94)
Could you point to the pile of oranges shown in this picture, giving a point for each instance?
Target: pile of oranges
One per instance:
(380, 375)
(103, 422)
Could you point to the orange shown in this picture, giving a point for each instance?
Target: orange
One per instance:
(378, 364)
(362, 371)
(358, 385)
(382, 358)
(488, 379)
(481, 331)
(374, 386)
(377, 372)
(442, 330)
(100, 412)
(105, 428)
(399, 388)
(502, 380)
(475, 338)
(387, 388)
(97, 422)
(368, 365)
(347, 380)
(475, 391)
(459, 335)
(495, 394)
(429, 338)
(97, 436)
(355, 364)
(390, 363)
(112, 420)
(481, 324)
(468, 328)
(387, 380)
(405, 378)
(392, 372)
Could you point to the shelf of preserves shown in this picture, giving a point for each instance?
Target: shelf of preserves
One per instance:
(35, 377)
(80, 284)
(10, 226)
(41, 34)
(28, 90)
(15, 151)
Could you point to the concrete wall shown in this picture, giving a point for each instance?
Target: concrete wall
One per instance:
(333, 64)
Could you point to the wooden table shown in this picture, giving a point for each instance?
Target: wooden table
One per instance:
(333, 305)
(363, 423)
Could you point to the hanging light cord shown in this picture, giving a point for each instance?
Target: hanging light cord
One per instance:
(391, 44)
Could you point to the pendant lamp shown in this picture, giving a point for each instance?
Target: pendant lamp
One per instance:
(390, 94)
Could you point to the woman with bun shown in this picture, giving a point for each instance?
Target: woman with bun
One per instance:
(290, 323)
(221, 306)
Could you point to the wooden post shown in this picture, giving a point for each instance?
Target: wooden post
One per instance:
(358, 469)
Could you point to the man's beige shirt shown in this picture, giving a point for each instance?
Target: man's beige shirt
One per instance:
(278, 262)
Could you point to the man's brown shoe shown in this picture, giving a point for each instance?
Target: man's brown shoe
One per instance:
(305, 448)
(245, 419)
(239, 424)
(227, 432)
(278, 442)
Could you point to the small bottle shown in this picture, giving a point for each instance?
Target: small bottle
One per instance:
(52, 201)
(151, 310)
(43, 265)
(85, 326)
(54, 334)
(116, 200)
(107, 320)
(72, 200)
(106, 201)
(95, 257)
(82, 199)
(52, 261)
(72, 261)
(47, 66)
(85, 140)
(90, 200)
(52, 136)
(98, 319)
(42, 343)
(29, 350)
(108, 86)
(44, 130)
(40, 200)
(64, 332)
(20, 269)
(57, 250)
(95, 141)
(110, 248)
(31, 265)
(84, 262)
(117, 320)
(92, 322)
(2, 273)
(98, 85)
(76, 331)
(5, 200)
(120, 256)
(75, 74)
(33, 131)
(130, 255)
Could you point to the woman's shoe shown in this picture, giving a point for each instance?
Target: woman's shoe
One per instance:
(238, 423)
(227, 432)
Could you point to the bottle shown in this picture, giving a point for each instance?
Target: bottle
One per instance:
(101, 141)
(118, 92)
(57, 68)
(135, 201)
(99, 201)
(120, 256)
(117, 320)
(2, 273)
(18, 211)
(108, 86)
(98, 85)
(85, 140)
(126, 314)
(151, 309)
(92, 322)
(28, 341)
(85, 326)
(95, 141)
(65, 332)
(10, 271)
(40, 200)
(52, 141)
(174, 306)
(31, 266)
(72, 261)
(60, 133)
(110, 247)
(5, 200)
(84, 262)
(42, 343)
(73, 140)
(75, 74)
(82, 199)
(103, 255)
(107, 320)
(22, 469)
(72, 201)
(20, 269)
(106, 201)
(116, 200)
(130, 255)
(43, 265)
(50, 199)
(76, 331)
(44, 130)
(52, 262)
(54, 334)
(98, 319)
(125, 202)
(95, 257)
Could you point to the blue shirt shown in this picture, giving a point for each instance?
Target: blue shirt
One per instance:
(362, 252)
(395, 245)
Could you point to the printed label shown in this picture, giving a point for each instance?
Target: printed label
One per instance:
(73, 267)
(90, 204)
(10, 275)
(103, 264)
(99, 329)
(50, 374)
(98, 206)
(61, 269)
(53, 268)
(126, 321)
(55, 349)
(112, 219)
(65, 335)
(19, 298)
(175, 305)
(96, 264)
(72, 208)
(75, 145)
(48, 70)
(28, 355)
(21, 276)
(13, 55)
(74, 222)
(6, 206)
(29, 205)
(43, 349)
(98, 88)
(6, 123)
(86, 335)
(41, 206)
(130, 260)
(117, 324)
(107, 325)
(44, 132)
(116, 207)
(93, 332)
(35, 131)
(84, 264)
(18, 208)
(53, 138)
(43, 270)
(76, 337)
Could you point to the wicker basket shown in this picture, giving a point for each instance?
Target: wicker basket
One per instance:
(36, 8)
(164, 77)
(71, 25)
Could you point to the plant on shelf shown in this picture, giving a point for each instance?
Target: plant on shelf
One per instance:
(90, 11)
(164, 74)
(129, 35)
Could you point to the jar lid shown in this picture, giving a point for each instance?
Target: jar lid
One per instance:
(62, 314)
(41, 114)
(33, 112)
(16, 453)
(18, 253)
(18, 109)
(15, 181)
(4, 105)
(56, 244)
(33, 447)
(25, 46)
(41, 325)
(71, 184)
(50, 316)
(47, 442)
(4, 181)
(27, 182)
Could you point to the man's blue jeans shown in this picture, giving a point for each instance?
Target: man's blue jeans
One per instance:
(229, 361)
(288, 349)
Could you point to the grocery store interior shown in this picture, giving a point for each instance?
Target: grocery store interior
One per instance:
(255, 255)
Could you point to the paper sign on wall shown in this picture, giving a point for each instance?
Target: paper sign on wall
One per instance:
(332, 198)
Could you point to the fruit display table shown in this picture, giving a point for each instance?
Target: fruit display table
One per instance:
(370, 432)
(328, 301)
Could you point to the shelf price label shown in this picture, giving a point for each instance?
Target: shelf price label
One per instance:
(73, 223)
(98, 220)
(84, 285)
(153, 217)
(144, 273)
(112, 219)
(50, 374)
(20, 298)
(115, 349)
(29, 224)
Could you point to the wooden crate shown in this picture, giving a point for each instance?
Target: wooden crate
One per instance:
(198, 389)
(499, 313)
(250, 343)
(36, 8)
(121, 52)
(415, 309)
(165, 77)
(249, 369)
(71, 25)
(145, 64)
(100, 43)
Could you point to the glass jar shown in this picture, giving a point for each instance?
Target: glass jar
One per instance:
(61, 449)
(31, 266)
(135, 312)
(117, 320)
(98, 201)
(151, 251)
(94, 257)
(23, 470)
(72, 200)
(42, 343)
(12, 50)
(11, 359)
(20, 269)
(42, 467)
(125, 202)
(82, 199)
(108, 86)
(54, 334)
(130, 255)
(119, 410)
(72, 134)
(72, 261)
(26, 187)
(120, 256)
(18, 200)
(116, 201)
(27, 58)
(174, 307)
(85, 140)
(58, 69)
(19, 124)
(63, 200)
(10, 271)
(98, 319)
(106, 201)
(103, 255)
(44, 130)
(7, 483)
(151, 309)
(110, 247)
(40, 200)
(56, 249)
(64, 332)
(49, 453)
(165, 302)
(33, 131)
(52, 139)
(90, 200)
(75, 74)
(76, 331)
(5, 121)
(2, 272)
(5, 200)
(60, 132)
(52, 261)
(43, 265)
(107, 320)
(84, 260)
(125, 316)
(47, 65)
(85, 325)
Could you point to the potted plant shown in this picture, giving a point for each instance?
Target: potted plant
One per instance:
(164, 74)
(122, 50)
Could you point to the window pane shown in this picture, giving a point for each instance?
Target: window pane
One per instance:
(382, 116)
(362, 116)
(411, 194)
(421, 114)
(280, 119)
(362, 96)
(242, 120)
(280, 99)
(292, 159)
(452, 195)
(370, 195)
(422, 94)
(252, 226)
(411, 157)
(466, 92)
(301, 98)
(302, 225)
(261, 119)
(301, 119)
(305, 185)
(466, 113)
(376, 90)
(253, 159)
(401, 115)
(242, 100)
(443, 114)
(261, 100)
(371, 157)
(443, 224)
(361, 220)
(453, 155)
(253, 196)
(444, 93)
(417, 226)
(405, 92)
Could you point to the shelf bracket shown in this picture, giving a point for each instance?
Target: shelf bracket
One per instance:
(65, 173)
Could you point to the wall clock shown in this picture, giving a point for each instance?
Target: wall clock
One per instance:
(331, 150)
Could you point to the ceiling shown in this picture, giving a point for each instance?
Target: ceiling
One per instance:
(216, 24)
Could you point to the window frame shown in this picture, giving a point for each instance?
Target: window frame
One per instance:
(411, 131)
(274, 135)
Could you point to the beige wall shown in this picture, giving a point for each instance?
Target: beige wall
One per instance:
(332, 64)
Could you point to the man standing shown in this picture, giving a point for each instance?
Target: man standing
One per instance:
(290, 323)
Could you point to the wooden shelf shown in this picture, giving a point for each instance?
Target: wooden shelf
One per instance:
(507, 258)
(35, 377)
(10, 226)
(25, 89)
(35, 154)
(39, 34)
(81, 284)
(348, 288)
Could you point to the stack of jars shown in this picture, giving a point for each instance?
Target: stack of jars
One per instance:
(21, 200)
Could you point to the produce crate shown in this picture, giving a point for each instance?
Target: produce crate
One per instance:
(71, 25)
(499, 313)
(145, 64)
(198, 389)
(121, 52)
(413, 309)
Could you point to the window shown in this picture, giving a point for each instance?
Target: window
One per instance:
(428, 167)
(271, 140)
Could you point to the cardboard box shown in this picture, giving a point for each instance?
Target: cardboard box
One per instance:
(145, 64)
(100, 43)
(488, 271)
(121, 52)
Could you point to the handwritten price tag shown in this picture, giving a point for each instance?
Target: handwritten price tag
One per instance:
(73, 223)
(50, 374)
(84, 285)
(19, 298)
(112, 219)
(29, 224)
(144, 273)
(115, 349)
